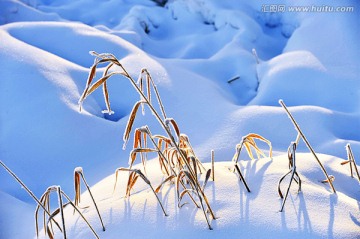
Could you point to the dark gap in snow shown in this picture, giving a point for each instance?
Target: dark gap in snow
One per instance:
(160, 3)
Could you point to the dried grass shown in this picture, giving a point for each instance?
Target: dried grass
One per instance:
(174, 155)
(39, 202)
(133, 176)
(301, 134)
(248, 142)
(294, 175)
(79, 173)
(351, 161)
(45, 202)
(131, 122)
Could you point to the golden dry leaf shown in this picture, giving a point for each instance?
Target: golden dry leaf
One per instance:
(207, 176)
(77, 188)
(249, 142)
(134, 152)
(99, 83)
(137, 139)
(131, 122)
(157, 190)
(331, 177)
(131, 182)
(175, 126)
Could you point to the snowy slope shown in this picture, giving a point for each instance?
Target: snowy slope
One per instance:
(192, 49)
(313, 213)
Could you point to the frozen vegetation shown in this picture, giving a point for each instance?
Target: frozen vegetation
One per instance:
(220, 68)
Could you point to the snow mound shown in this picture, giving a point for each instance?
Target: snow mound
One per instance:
(315, 212)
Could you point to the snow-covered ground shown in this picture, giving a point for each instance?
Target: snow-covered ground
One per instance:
(193, 50)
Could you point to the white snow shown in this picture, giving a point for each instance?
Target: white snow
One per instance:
(192, 48)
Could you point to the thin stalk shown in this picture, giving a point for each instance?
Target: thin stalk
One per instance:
(212, 165)
(292, 166)
(352, 161)
(238, 151)
(297, 127)
(157, 94)
(287, 191)
(298, 136)
(200, 198)
(27, 190)
(241, 177)
(58, 189)
(162, 207)
(83, 217)
(96, 207)
(233, 79)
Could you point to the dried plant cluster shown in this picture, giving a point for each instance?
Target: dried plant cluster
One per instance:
(294, 174)
(249, 143)
(177, 159)
(178, 162)
(44, 204)
(45, 200)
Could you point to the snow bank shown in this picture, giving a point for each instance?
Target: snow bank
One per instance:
(200, 54)
(313, 213)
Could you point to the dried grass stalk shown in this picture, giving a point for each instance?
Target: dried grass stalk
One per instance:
(249, 142)
(134, 152)
(186, 146)
(171, 121)
(134, 174)
(78, 172)
(297, 127)
(294, 175)
(171, 177)
(39, 202)
(60, 195)
(212, 164)
(351, 161)
(131, 122)
(331, 178)
(196, 189)
(179, 181)
(107, 100)
(183, 153)
(149, 81)
(207, 176)
(241, 177)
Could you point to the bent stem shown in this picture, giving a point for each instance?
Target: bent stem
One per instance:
(27, 190)
(102, 58)
(351, 161)
(60, 194)
(297, 127)
(292, 166)
(79, 171)
(145, 179)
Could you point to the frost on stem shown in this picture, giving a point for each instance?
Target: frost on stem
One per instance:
(181, 148)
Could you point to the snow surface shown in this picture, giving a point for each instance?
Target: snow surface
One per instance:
(192, 49)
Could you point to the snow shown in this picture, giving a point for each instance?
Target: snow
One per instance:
(192, 49)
